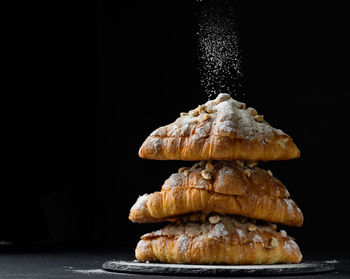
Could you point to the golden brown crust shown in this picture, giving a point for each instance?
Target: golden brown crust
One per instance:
(221, 129)
(226, 242)
(229, 188)
(160, 206)
(228, 177)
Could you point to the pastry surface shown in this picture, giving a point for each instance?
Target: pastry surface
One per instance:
(222, 187)
(221, 129)
(225, 240)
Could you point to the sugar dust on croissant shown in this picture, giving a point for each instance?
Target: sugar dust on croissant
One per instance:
(221, 129)
(222, 240)
(226, 187)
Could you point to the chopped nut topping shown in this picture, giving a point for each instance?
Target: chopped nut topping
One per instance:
(283, 233)
(206, 174)
(242, 106)
(184, 131)
(201, 108)
(269, 172)
(209, 166)
(247, 172)
(273, 226)
(183, 113)
(252, 111)
(194, 112)
(259, 118)
(206, 117)
(273, 242)
(240, 163)
(251, 228)
(210, 110)
(181, 170)
(161, 131)
(222, 97)
(185, 171)
(214, 219)
(251, 164)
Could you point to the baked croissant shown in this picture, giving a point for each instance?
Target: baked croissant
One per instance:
(221, 240)
(222, 187)
(221, 129)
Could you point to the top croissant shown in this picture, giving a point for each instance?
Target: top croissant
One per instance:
(221, 129)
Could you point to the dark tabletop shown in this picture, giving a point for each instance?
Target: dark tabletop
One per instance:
(87, 264)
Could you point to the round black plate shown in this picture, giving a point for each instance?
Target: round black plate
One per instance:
(188, 269)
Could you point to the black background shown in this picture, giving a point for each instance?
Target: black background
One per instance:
(85, 83)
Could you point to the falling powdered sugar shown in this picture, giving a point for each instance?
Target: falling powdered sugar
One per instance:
(219, 50)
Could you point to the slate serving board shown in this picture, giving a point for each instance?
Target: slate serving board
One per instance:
(219, 270)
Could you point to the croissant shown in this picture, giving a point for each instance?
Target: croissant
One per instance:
(221, 129)
(221, 240)
(222, 187)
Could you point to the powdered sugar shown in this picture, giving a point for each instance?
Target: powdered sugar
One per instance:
(227, 127)
(176, 179)
(241, 234)
(238, 122)
(290, 246)
(156, 142)
(293, 244)
(257, 238)
(90, 271)
(290, 205)
(182, 243)
(230, 229)
(282, 141)
(219, 230)
(228, 116)
(142, 244)
(184, 131)
(202, 184)
(203, 131)
(219, 51)
(287, 247)
(140, 203)
(161, 131)
(224, 172)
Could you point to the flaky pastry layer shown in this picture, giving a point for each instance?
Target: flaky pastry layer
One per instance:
(160, 206)
(227, 241)
(223, 187)
(221, 129)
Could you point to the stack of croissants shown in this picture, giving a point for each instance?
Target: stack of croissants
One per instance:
(223, 209)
